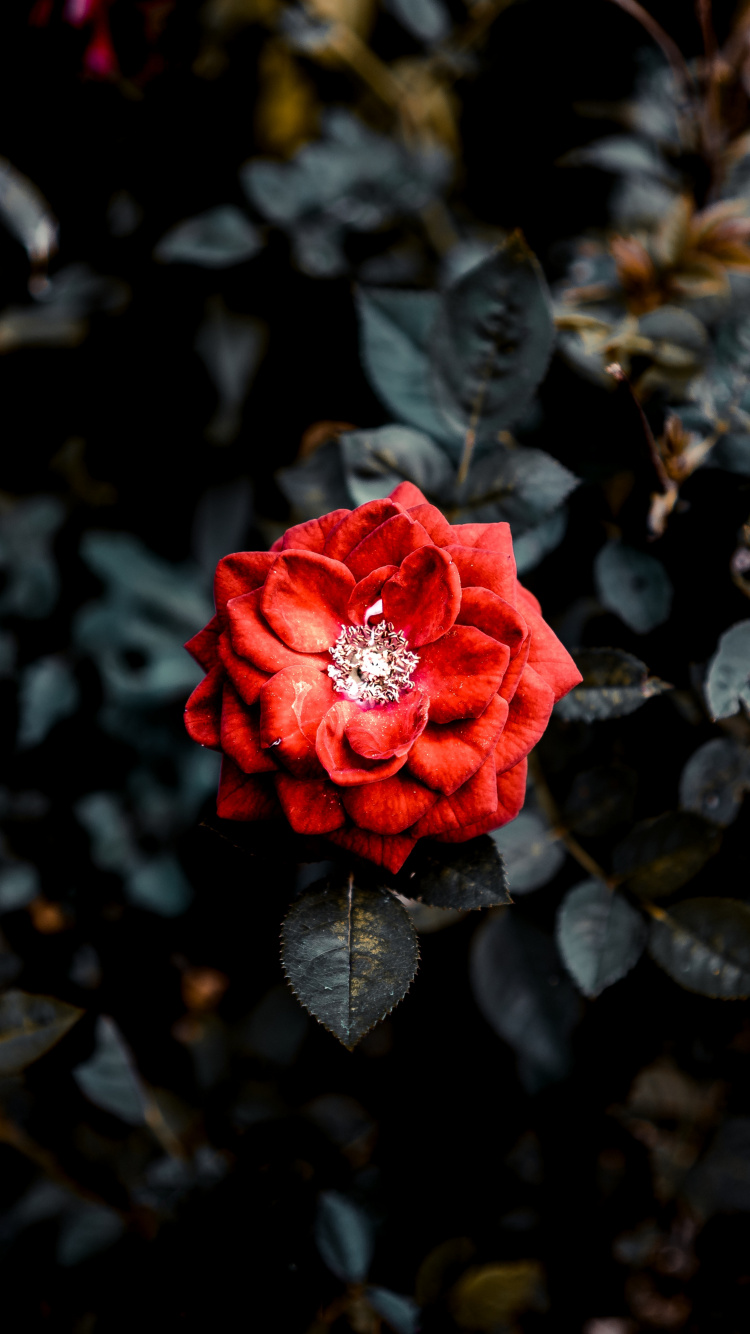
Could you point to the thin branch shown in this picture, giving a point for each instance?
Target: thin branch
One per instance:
(549, 807)
(18, 1139)
(665, 484)
(668, 45)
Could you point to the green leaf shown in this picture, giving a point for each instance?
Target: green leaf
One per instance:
(531, 853)
(400, 1313)
(109, 1077)
(614, 684)
(214, 240)
(519, 986)
(518, 486)
(633, 585)
(48, 693)
(492, 341)
(29, 1026)
(344, 1237)
(728, 680)
(599, 935)
(600, 799)
(316, 485)
(394, 331)
(535, 543)
(715, 780)
(459, 875)
(86, 1231)
(349, 954)
(427, 20)
(704, 944)
(376, 461)
(659, 855)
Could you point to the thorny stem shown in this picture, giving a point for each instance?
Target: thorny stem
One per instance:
(549, 806)
(616, 371)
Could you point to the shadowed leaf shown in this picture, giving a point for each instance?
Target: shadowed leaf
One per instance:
(350, 955)
(109, 1077)
(614, 684)
(394, 331)
(704, 944)
(460, 875)
(344, 1237)
(600, 799)
(658, 856)
(715, 779)
(633, 585)
(599, 936)
(29, 1026)
(531, 853)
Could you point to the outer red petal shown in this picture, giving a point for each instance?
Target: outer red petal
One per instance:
(292, 704)
(344, 765)
(515, 670)
(311, 536)
(436, 524)
(253, 638)
(247, 680)
(424, 597)
(475, 800)
(389, 544)
(386, 730)
(237, 574)
(312, 805)
(526, 599)
(407, 494)
(390, 806)
(493, 616)
(488, 536)
(389, 850)
(461, 673)
(547, 655)
(304, 600)
(357, 524)
(367, 592)
(486, 569)
(245, 796)
(445, 757)
(204, 646)
(203, 710)
(528, 716)
(240, 735)
(511, 792)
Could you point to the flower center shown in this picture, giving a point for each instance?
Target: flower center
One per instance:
(372, 663)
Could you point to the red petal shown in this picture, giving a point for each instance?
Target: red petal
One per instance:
(237, 574)
(311, 536)
(240, 734)
(245, 796)
(204, 646)
(526, 600)
(475, 800)
(528, 716)
(203, 710)
(407, 494)
(445, 757)
(461, 672)
(390, 806)
(343, 764)
(547, 655)
(511, 792)
(346, 535)
(435, 523)
(367, 592)
(389, 544)
(386, 730)
(304, 600)
(486, 569)
(516, 668)
(253, 638)
(312, 805)
(292, 704)
(424, 597)
(493, 616)
(487, 536)
(247, 680)
(389, 850)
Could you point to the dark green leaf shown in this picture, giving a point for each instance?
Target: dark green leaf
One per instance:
(532, 546)
(517, 486)
(86, 1231)
(109, 1077)
(29, 1026)
(344, 1237)
(401, 1314)
(704, 944)
(48, 693)
(460, 875)
(524, 994)
(394, 330)
(633, 585)
(215, 240)
(316, 485)
(531, 853)
(720, 1181)
(427, 20)
(728, 680)
(599, 935)
(376, 461)
(660, 855)
(600, 799)
(614, 684)
(492, 341)
(715, 779)
(349, 954)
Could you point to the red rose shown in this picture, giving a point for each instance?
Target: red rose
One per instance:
(379, 675)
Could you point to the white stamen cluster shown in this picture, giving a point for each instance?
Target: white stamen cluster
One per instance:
(372, 663)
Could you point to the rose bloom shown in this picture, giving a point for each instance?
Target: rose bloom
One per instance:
(378, 676)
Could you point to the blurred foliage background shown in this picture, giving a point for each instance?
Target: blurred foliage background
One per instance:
(226, 228)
